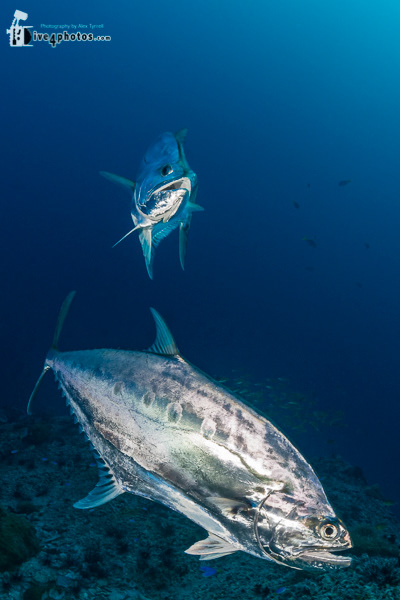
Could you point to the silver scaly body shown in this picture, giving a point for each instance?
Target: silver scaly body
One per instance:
(164, 430)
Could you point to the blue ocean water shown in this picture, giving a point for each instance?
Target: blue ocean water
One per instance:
(282, 102)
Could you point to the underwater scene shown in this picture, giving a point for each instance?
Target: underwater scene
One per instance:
(200, 312)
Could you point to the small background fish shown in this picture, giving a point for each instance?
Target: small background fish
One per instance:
(163, 196)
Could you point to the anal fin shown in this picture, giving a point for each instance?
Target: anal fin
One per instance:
(211, 548)
(183, 238)
(106, 489)
(145, 237)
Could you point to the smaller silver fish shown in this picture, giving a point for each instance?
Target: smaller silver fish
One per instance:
(163, 196)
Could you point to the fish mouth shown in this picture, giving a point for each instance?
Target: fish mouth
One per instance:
(311, 558)
(319, 558)
(176, 184)
(163, 200)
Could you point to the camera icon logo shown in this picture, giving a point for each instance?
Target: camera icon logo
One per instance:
(19, 35)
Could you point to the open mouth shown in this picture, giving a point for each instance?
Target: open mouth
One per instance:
(163, 201)
(324, 559)
(183, 183)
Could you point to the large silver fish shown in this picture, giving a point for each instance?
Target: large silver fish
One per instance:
(164, 430)
(163, 196)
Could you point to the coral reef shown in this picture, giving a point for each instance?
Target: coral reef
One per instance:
(18, 540)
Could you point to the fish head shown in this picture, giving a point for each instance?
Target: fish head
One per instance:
(165, 183)
(303, 541)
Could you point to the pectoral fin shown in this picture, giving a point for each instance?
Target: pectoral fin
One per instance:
(126, 183)
(211, 548)
(194, 207)
(230, 507)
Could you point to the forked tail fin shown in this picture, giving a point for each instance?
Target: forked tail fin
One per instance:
(61, 318)
(60, 322)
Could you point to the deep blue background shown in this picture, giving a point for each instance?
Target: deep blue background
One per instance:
(282, 101)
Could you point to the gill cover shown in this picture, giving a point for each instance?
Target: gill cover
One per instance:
(300, 542)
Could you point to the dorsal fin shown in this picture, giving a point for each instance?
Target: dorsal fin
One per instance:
(164, 342)
(180, 135)
(61, 318)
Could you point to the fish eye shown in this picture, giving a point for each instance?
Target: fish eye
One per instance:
(166, 170)
(329, 531)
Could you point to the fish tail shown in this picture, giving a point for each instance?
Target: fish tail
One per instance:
(61, 318)
(60, 322)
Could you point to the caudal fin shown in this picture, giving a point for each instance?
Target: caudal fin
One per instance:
(61, 318)
(60, 322)
(42, 374)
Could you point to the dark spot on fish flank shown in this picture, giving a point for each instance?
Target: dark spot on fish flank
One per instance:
(118, 388)
(241, 442)
(259, 490)
(221, 437)
(190, 420)
(282, 462)
(174, 412)
(208, 428)
(239, 413)
(148, 398)
(227, 406)
(168, 374)
(162, 401)
(97, 372)
(202, 393)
